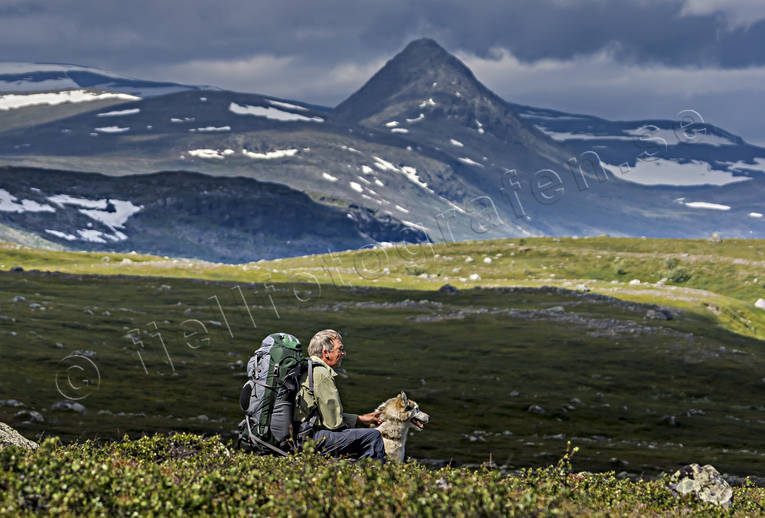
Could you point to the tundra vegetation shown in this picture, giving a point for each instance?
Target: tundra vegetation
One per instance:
(187, 474)
(553, 340)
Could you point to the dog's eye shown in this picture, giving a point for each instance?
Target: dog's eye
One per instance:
(409, 407)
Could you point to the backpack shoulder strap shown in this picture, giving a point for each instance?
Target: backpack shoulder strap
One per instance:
(311, 366)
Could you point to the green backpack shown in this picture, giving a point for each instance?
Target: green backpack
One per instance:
(268, 396)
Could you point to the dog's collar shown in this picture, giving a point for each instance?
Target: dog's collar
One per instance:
(388, 436)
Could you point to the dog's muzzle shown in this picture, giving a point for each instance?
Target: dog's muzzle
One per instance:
(420, 420)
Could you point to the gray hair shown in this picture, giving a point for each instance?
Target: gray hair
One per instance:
(322, 341)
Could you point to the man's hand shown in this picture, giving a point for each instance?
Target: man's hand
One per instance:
(370, 419)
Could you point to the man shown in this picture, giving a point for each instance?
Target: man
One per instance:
(321, 409)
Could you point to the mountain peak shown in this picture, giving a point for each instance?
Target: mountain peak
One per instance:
(423, 68)
(422, 49)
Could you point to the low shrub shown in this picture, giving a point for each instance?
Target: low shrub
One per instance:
(186, 474)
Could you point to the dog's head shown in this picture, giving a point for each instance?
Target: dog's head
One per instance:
(403, 409)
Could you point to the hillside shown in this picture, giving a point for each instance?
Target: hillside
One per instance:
(423, 142)
(185, 214)
(643, 387)
(718, 280)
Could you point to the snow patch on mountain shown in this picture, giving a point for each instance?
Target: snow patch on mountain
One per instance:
(391, 124)
(755, 215)
(427, 102)
(112, 213)
(112, 129)
(9, 203)
(415, 225)
(210, 129)
(14, 101)
(673, 138)
(416, 119)
(706, 205)
(208, 153)
(270, 155)
(758, 165)
(94, 236)
(288, 106)
(270, 113)
(329, 177)
(562, 136)
(469, 161)
(409, 172)
(399, 130)
(384, 165)
(356, 186)
(61, 235)
(669, 172)
(455, 142)
(647, 133)
(120, 113)
(65, 199)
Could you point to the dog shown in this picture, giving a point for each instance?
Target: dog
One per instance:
(399, 414)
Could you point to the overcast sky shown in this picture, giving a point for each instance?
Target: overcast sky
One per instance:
(620, 59)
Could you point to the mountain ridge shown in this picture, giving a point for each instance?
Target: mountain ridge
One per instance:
(423, 142)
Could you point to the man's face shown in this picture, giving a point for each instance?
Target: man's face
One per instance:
(335, 358)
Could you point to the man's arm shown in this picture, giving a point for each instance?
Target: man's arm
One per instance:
(350, 420)
(370, 419)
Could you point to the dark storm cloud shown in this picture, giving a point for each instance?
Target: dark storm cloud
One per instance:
(609, 58)
(119, 34)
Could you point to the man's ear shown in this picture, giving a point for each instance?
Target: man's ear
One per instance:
(404, 399)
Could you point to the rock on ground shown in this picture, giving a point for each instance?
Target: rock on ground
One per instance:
(10, 437)
(69, 405)
(760, 303)
(704, 482)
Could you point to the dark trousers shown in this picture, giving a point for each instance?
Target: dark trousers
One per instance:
(357, 443)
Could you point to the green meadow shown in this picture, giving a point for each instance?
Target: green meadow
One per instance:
(551, 340)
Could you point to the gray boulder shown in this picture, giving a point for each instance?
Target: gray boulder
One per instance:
(448, 288)
(536, 409)
(10, 402)
(10, 437)
(70, 406)
(31, 416)
(659, 314)
(705, 483)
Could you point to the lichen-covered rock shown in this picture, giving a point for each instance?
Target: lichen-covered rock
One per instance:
(704, 482)
(10, 437)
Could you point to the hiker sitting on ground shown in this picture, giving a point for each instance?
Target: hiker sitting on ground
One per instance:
(321, 412)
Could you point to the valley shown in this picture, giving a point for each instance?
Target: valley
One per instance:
(543, 349)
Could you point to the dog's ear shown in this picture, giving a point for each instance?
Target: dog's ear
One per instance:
(404, 399)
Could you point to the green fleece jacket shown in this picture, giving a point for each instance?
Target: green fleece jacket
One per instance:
(325, 396)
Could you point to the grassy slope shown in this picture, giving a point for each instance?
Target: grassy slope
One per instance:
(725, 278)
(627, 372)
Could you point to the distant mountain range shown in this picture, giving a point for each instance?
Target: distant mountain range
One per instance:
(422, 151)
